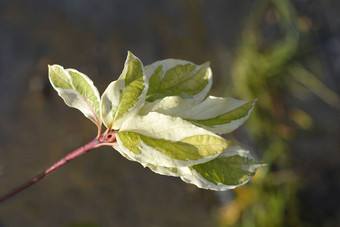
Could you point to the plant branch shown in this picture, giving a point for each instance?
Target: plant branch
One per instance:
(108, 138)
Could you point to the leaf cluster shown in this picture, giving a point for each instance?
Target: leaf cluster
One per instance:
(163, 119)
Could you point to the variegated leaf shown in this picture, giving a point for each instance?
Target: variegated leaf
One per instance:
(232, 168)
(219, 115)
(178, 77)
(77, 90)
(168, 141)
(125, 96)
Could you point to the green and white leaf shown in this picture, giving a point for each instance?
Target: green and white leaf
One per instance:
(77, 90)
(219, 115)
(125, 96)
(163, 140)
(172, 77)
(231, 169)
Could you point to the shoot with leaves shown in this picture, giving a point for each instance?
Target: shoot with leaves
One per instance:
(159, 115)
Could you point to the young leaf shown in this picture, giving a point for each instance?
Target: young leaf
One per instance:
(232, 168)
(125, 96)
(219, 115)
(77, 90)
(163, 140)
(172, 77)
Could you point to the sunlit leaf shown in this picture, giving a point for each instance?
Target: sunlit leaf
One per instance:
(168, 141)
(219, 115)
(125, 96)
(77, 90)
(177, 77)
(232, 168)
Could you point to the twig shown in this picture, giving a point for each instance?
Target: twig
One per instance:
(108, 138)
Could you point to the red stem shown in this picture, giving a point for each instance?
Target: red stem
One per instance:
(80, 151)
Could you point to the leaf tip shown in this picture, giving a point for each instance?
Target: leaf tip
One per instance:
(54, 66)
(130, 55)
(49, 67)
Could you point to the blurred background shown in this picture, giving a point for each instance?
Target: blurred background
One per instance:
(285, 53)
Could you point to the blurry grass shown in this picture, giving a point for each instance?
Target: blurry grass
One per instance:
(267, 67)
